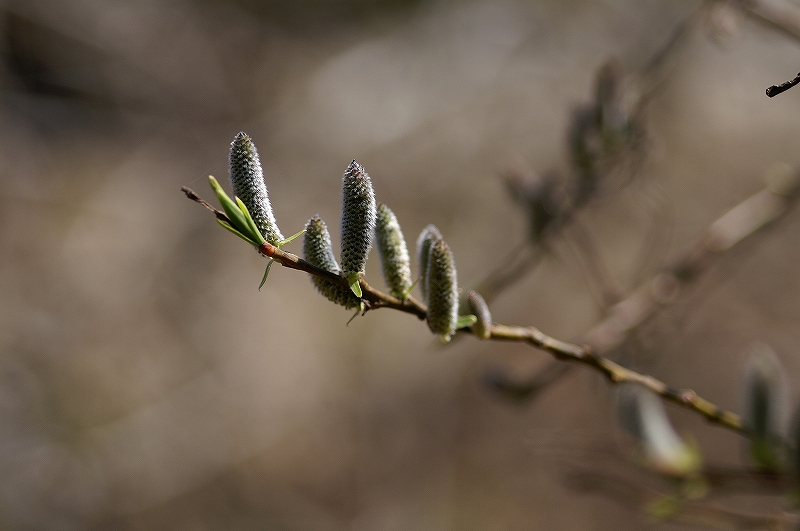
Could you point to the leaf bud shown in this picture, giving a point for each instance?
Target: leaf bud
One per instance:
(392, 249)
(247, 180)
(358, 218)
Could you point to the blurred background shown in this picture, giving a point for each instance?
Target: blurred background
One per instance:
(146, 383)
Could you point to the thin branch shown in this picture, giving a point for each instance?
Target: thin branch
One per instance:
(746, 218)
(774, 90)
(616, 373)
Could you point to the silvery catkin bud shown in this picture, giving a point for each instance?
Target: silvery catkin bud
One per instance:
(442, 290)
(318, 251)
(428, 235)
(247, 180)
(358, 218)
(392, 249)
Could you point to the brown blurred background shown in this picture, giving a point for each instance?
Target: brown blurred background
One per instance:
(146, 383)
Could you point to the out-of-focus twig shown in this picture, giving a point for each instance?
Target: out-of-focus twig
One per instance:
(746, 218)
(780, 16)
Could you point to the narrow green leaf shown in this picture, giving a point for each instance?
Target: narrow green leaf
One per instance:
(360, 310)
(231, 209)
(290, 238)
(266, 273)
(355, 287)
(234, 231)
(465, 321)
(254, 232)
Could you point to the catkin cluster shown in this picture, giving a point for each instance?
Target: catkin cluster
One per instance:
(362, 223)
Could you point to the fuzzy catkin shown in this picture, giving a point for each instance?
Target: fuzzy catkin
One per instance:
(392, 249)
(442, 290)
(428, 235)
(358, 218)
(318, 251)
(247, 180)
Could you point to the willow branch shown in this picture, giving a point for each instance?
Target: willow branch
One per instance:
(616, 373)
(743, 220)
(753, 214)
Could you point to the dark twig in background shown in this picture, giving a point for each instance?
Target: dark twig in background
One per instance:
(774, 90)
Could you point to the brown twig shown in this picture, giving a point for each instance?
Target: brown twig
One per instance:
(616, 373)
(774, 90)
(754, 213)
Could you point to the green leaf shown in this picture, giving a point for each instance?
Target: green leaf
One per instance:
(290, 238)
(266, 273)
(234, 231)
(231, 209)
(355, 287)
(253, 232)
(465, 321)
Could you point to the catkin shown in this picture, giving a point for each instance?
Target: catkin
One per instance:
(392, 249)
(442, 288)
(318, 251)
(428, 235)
(358, 218)
(247, 180)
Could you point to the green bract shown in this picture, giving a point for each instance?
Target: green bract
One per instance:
(318, 251)
(247, 180)
(391, 245)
